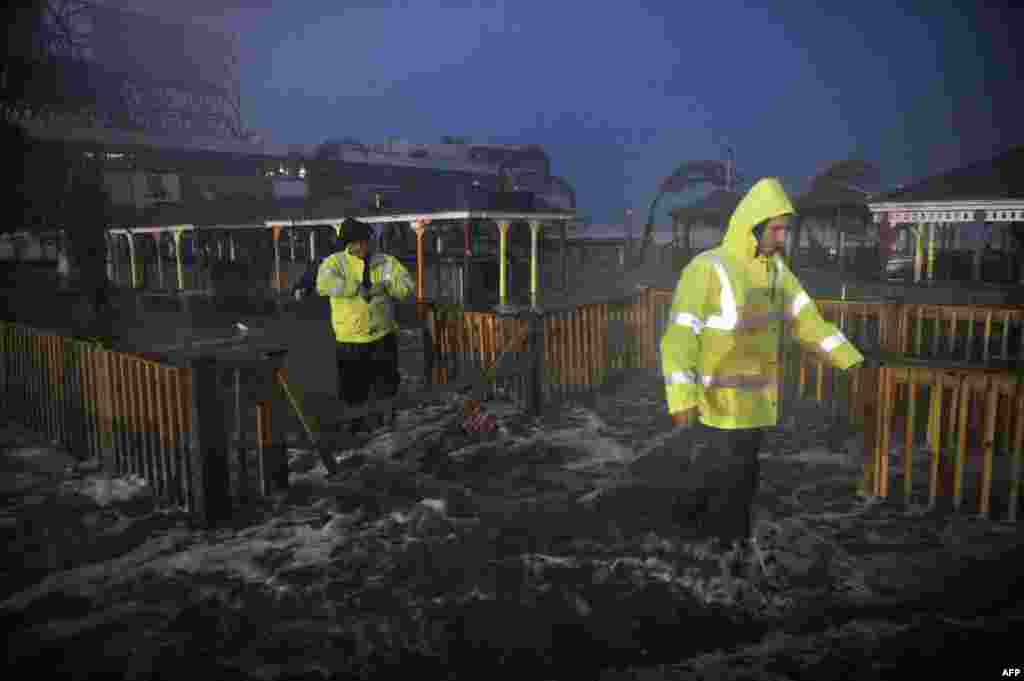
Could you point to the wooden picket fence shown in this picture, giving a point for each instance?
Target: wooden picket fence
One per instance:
(969, 420)
(581, 346)
(948, 388)
(140, 417)
(949, 378)
(973, 354)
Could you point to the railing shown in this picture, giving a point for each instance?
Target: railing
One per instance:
(583, 345)
(166, 422)
(575, 351)
(974, 333)
(161, 422)
(969, 418)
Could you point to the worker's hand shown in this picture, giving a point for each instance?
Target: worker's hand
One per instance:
(687, 417)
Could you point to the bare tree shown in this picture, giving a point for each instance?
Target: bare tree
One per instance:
(66, 28)
(40, 34)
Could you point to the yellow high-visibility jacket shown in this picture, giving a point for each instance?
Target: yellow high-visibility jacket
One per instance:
(720, 350)
(355, 320)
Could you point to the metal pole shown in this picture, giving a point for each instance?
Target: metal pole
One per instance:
(438, 267)
(275, 233)
(131, 257)
(502, 263)
(564, 228)
(419, 229)
(158, 242)
(109, 257)
(177, 258)
(465, 261)
(534, 232)
(918, 229)
(931, 251)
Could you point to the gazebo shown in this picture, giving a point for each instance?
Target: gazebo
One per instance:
(963, 204)
(844, 207)
(420, 221)
(216, 227)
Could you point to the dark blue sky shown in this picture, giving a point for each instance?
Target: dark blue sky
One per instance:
(620, 93)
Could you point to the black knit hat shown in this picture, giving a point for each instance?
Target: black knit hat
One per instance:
(354, 230)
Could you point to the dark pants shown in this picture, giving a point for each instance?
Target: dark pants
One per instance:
(365, 365)
(725, 478)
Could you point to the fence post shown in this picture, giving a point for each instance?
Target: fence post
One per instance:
(889, 322)
(868, 407)
(426, 315)
(83, 403)
(644, 328)
(535, 381)
(652, 334)
(208, 446)
(106, 422)
(273, 460)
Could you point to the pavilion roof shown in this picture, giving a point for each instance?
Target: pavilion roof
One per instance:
(828, 198)
(998, 178)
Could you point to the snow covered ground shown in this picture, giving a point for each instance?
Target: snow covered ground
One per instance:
(439, 554)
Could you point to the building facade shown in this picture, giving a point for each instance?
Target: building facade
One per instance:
(155, 105)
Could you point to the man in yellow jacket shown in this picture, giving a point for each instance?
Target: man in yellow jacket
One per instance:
(361, 286)
(721, 352)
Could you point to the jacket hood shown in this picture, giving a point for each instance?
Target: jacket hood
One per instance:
(765, 200)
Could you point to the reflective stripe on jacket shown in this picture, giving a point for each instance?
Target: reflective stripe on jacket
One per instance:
(720, 349)
(354, 319)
